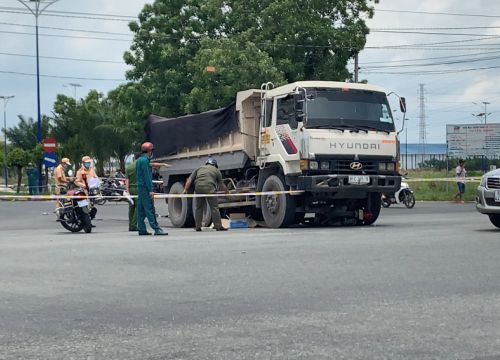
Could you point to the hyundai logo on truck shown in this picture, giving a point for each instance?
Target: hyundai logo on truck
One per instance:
(356, 165)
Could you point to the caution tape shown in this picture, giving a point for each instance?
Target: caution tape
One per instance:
(471, 179)
(156, 196)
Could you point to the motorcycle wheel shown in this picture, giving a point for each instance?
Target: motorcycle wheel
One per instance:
(409, 200)
(385, 203)
(99, 201)
(86, 224)
(72, 225)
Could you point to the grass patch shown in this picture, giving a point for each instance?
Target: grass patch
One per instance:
(439, 190)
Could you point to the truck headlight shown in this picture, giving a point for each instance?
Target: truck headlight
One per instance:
(483, 181)
(390, 167)
(313, 165)
(382, 166)
(325, 165)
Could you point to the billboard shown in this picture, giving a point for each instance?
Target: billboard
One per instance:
(465, 140)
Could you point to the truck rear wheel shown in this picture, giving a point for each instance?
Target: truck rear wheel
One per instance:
(277, 210)
(206, 219)
(495, 219)
(180, 210)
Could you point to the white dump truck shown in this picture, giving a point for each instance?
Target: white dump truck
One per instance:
(334, 143)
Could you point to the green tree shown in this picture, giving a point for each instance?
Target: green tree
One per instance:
(237, 66)
(24, 134)
(290, 39)
(18, 158)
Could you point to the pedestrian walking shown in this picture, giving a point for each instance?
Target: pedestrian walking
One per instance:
(460, 174)
(145, 195)
(207, 179)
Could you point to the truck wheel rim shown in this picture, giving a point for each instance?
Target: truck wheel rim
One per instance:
(272, 204)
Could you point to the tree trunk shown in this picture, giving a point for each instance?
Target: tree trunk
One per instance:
(19, 178)
(100, 168)
(122, 163)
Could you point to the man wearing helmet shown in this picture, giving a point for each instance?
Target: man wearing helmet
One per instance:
(60, 176)
(85, 173)
(207, 179)
(145, 206)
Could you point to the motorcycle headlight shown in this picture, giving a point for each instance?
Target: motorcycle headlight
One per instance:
(313, 165)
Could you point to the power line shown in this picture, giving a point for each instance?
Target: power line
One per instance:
(430, 33)
(66, 16)
(64, 36)
(65, 13)
(433, 64)
(66, 29)
(59, 76)
(437, 28)
(436, 72)
(437, 13)
(432, 58)
(63, 58)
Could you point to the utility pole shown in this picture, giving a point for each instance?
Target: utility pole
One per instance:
(422, 129)
(5, 171)
(356, 68)
(37, 7)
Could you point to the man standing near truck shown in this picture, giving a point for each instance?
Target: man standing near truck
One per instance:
(145, 208)
(206, 179)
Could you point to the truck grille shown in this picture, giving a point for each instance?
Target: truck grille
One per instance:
(493, 183)
(369, 167)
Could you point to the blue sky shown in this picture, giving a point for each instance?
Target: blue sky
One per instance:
(449, 93)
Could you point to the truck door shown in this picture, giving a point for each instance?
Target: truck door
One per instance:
(284, 132)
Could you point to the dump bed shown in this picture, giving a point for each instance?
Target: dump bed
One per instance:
(223, 131)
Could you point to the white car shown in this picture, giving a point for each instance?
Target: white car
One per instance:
(488, 196)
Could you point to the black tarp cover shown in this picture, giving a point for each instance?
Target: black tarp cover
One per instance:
(169, 135)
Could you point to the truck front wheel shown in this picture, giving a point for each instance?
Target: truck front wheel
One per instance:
(371, 210)
(277, 210)
(180, 210)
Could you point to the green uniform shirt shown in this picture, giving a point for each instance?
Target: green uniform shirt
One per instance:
(143, 173)
(206, 178)
(132, 178)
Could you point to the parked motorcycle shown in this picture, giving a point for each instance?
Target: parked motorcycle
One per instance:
(111, 189)
(74, 213)
(404, 196)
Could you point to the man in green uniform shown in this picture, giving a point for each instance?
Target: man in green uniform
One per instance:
(132, 189)
(145, 194)
(206, 180)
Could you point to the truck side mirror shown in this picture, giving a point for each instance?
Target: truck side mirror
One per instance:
(299, 100)
(402, 104)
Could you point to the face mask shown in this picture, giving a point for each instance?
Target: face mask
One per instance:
(86, 165)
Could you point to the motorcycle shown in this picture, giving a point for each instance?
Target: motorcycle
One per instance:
(113, 189)
(404, 196)
(74, 213)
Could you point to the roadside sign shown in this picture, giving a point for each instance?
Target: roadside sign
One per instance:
(466, 140)
(49, 145)
(50, 159)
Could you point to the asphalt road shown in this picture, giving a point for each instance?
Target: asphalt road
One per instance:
(420, 284)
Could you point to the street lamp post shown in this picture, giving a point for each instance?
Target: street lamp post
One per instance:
(37, 7)
(485, 113)
(5, 171)
(406, 147)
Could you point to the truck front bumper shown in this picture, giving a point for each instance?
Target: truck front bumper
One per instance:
(485, 201)
(339, 183)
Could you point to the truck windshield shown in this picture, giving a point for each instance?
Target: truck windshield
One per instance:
(359, 109)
